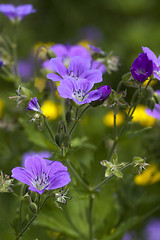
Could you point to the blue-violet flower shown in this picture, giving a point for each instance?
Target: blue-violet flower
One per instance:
(39, 176)
(16, 13)
(142, 67)
(33, 105)
(78, 69)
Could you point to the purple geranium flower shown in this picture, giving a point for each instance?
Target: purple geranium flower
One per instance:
(78, 69)
(39, 176)
(105, 92)
(155, 60)
(16, 13)
(152, 230)
(26, 68)
(95, 49)
(78, 91)
(43, 154)
(1, 63)
(142, 67)
(155, 113)
(33, 105)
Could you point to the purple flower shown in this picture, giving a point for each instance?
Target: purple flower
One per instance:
(155, 60)
(25, 68)
(16, 13)
(155, 113)
(91, 33)
(78, 69)
(39, 176)
(1, 64)
(43, 154)
(78, 91)
(33, 105)
(152, 230)
(105, 92)
(130, 236)
(142, 67)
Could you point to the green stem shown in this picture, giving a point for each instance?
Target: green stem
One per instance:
(114, 129)
(77, 119)
(49, 130)
(77, 175)
(14, 47)
(91, 217)
(20, 207)
(33, 218)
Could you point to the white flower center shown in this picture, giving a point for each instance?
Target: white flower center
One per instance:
(78, 94)
(40, 181)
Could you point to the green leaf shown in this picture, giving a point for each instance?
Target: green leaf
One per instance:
(117, 173)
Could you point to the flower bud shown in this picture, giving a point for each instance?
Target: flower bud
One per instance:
(33, 207)
(59, 139)
(151, 103)
(66, 139)
(50, 54)
(156, 97)
(68, 117)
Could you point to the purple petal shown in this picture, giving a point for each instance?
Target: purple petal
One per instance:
(66, 88)
(59, 179)
(21, 175)
(99, 66)
(60, 50)
(94, 76)
(24, 10)
(150, 54)
(78, 66)
(36, 165)
(58, 66)
(8, 10)
(93, 96)
(31, 188)
(155, 113)
(54, 77)
(55, 167)
(78, 50)
(33, 105)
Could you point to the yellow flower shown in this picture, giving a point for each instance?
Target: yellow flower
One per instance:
(40, 84)
(41, 44)
(1, 107)
(141, 117)
(108, 119)
(152, 83)
(149, 176)
(51, 110)
(84, 43)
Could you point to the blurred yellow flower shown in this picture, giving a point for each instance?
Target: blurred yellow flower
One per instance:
(152, 83)
(84, 43)
(149, 176)
(141, 117)
(108, 119)
(41, 44)
(51, 110)
(40, 83)
(1, 107)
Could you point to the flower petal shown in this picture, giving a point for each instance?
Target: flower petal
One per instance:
(59, 179)
(55, 167)
(150, 54)
(94, 76)
(78, 50)
(60, 50)
(21, 175)
(54, 77)
(66, 88)
(78, 66)
(93, 96)
(36, 165)
(58, 66)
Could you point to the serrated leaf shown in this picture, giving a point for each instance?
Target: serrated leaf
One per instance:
(107, 172)
(114, 158)
(117, 173)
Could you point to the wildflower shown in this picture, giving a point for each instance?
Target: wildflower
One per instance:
(25, 68)
(1, 64)
(155, 60)
(105, 92)
(78, 69)
(39, 176)
(130, 236)
(142, 67)
(149, 176)
(33, 105)
(16, 13)
(155, 113)
(141, 117)
(78, 91)
(108, 119)
(152, 229)
(50, 109)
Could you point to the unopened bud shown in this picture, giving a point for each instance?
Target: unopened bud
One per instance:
(156, 97)
(59, 139)
(26, 92)
(33, 207)
(151, 103)
(50, 54)
(66, 140)
(68, 117)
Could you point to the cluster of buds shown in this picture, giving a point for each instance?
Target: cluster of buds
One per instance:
(5, 183)
(113, 167)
